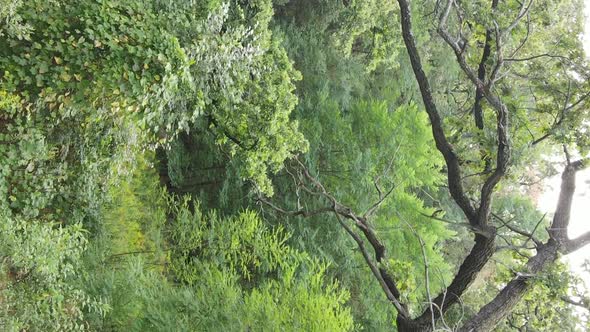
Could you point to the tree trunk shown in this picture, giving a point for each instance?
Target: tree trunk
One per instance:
(410, 325)
(495, 311)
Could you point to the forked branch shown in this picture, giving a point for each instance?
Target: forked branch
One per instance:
(308, 183)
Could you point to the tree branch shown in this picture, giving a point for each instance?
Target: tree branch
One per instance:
(376, 271)
(529, 236)
(572, 245)
(503, 148)
(558, 121)
(483, 248)
(442, 144)
(493, 312)
(583, 303)
(533, 57)
(383, 276)
(481, 74)
(497, 309)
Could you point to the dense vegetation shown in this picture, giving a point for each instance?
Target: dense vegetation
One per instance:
(299, 165)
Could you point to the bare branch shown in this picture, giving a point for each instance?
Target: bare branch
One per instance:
(340, 210)
(525, 39)
(561, 218)
(494, 311)
(300, 212)
(499, 56)
(516, 249)
(529, 236)
(442, 30)
(503, 148)
(562, 115)
(377, 204)
(471, 228)
(398, 306)
(524, 9)
(536, 57)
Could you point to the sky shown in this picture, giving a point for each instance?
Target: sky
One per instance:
(580, 216)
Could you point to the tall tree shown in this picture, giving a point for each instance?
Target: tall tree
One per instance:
(509, 34)
(479, 214)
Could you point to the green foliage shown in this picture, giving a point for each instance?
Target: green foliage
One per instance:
(292, 292)
(76, 94)
(304, 303)
(241, 243)
(97, 231)
(92, 62)
(39, 266)
(127, 249)
(160, 264)
(361, 30)
(238, 88)
(99, 52)
(74, 78)
(135, 211)
(11, 23)
(229, 273)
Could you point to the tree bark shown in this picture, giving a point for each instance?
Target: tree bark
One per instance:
(409, 325)
(496, 310)
(480, 254)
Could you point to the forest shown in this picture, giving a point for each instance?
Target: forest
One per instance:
(291, 165)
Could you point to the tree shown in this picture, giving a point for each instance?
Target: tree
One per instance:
(479, 216)
(84, 86)
(406, 193)
(459, 26)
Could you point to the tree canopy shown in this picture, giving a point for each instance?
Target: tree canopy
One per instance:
(297, 165)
